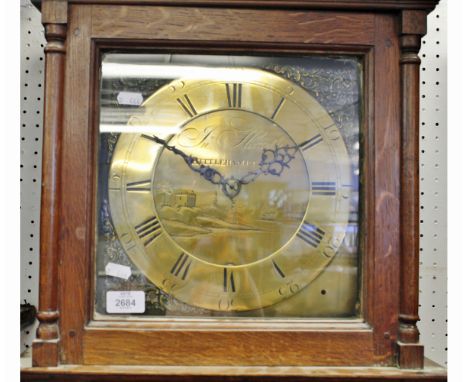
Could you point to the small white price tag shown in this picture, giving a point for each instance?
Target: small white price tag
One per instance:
(125, 302)
(118, 270)
(130, 98)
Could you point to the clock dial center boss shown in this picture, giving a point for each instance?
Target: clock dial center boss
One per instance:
(215, 192)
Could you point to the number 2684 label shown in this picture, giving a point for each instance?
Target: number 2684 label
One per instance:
(125, 302)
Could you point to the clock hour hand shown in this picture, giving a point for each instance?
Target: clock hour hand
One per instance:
(230, 186)
(272, 162)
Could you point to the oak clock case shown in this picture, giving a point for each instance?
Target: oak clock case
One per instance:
(229, 185)
(267, 210)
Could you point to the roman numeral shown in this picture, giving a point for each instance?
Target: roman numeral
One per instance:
(323, 188)
(187, 105)
(315, 140)
(181, 266)
(234, 96)
(228, 281)
(311, 234)
(144, 185)
(149, 230)
(278, 269)
(277, 108)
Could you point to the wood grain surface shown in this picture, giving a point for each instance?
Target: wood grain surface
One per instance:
(227, 347)
(77, 176)
(211, 24)
(45, 346)
(431, 372)
(389, 191)
(362, 5)
(412, 28)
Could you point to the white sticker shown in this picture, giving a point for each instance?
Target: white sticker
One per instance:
(117, 270)
(130, 98)
(125, 302)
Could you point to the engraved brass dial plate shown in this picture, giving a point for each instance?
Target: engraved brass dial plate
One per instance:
(231, 194)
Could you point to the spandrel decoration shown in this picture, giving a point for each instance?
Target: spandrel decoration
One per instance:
(229, 185)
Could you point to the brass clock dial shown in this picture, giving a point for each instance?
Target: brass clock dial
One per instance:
(231, 195)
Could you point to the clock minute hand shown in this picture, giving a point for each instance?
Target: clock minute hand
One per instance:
(230, 186)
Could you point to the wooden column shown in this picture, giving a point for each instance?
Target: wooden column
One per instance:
(46, 346)
(412, 28)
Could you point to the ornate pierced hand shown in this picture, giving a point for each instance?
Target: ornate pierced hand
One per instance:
(272, 162)
(230, 186)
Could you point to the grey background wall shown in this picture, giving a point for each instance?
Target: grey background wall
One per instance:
(433, 142)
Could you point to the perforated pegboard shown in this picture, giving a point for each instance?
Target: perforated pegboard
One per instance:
(433, 187)
(433, 289)
(32, 77)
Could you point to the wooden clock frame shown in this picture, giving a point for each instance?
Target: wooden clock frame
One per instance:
(385, 33)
